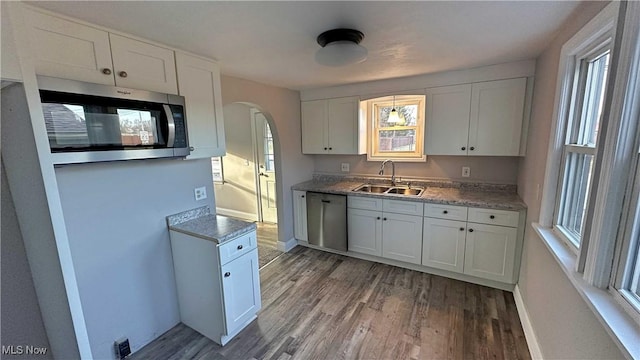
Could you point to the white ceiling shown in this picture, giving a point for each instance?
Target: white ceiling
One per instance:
(275, 42)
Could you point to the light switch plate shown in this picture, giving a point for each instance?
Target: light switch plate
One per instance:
(345, 167)
(466, 171)
(200, 193)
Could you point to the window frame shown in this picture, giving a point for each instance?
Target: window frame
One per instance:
(594, 271)
(574, 133)
(373, 153)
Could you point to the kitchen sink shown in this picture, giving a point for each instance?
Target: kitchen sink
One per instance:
(384, 189)
(406, 191)
(378, 189)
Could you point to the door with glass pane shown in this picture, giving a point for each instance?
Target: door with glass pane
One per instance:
(265, 162)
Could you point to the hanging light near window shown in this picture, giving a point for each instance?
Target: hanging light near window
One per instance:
(393, 115)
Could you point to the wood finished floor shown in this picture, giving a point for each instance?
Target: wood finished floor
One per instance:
(317, 305)
(267, 235)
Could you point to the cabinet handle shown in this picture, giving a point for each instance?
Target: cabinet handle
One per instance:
(325, 148)
(385, 219)
(461, 229)
(123, 74)
(227, 274)
(191, 148)
(445, 212)
(302, 196)
(472, 148)
(330, 148)
(492, 217)
(106, 71)
(463, 148)
(240, 247)
(378, 218)
(470, 230)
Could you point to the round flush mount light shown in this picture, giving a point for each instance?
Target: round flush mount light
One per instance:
(341, 47)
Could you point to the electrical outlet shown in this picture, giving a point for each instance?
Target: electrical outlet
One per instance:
(345, 167)
(466, 171)
(200, 193)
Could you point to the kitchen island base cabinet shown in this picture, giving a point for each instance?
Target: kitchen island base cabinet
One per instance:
(218, 292)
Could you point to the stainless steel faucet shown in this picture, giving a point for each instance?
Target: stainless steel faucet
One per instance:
(393, 170)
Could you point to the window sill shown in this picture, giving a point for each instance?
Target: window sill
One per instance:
(620, 326)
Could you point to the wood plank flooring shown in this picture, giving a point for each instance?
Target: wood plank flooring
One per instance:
(317, 305)
(267, 235)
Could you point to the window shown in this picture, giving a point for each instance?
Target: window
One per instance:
(579, 150)
(592, 180)
(269, 159)
(401, 139)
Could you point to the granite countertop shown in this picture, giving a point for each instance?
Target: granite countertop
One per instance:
(201, 223)
(440, 192)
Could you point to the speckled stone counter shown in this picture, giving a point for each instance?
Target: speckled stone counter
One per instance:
(201, 223)
(490, 196)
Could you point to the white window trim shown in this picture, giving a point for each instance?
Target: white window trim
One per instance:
(420, 137)
(607, 305)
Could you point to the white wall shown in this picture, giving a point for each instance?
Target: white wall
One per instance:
(237, 196)
(292, 167)
(564, 326)
(115, 217)
(21, 320)
(496, 169)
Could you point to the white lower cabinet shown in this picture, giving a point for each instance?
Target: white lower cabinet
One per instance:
(218, 285)
(391, 235)
(443, 244)
(300, 215)
(365, 231)
(471, 245)
(490, 252)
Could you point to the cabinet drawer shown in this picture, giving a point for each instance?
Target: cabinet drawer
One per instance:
(402, 207)
(448, 212)
(494, 217)
(237, 247)
(364, 203)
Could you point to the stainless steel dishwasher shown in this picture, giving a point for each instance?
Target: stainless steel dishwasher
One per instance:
(327, 220)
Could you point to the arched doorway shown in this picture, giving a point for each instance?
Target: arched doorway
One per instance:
(245, 179)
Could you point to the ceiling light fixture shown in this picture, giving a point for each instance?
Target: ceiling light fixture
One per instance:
(393, 115)
(340, 47)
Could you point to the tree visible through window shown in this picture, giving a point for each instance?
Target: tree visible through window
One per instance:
(401, 139)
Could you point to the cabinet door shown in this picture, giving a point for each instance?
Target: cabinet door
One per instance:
(490, 252)
(497, 109)
(402, 237)
(199, 83)
(140, 65)
(314, 127)
(240, 290)
(365, 231)
(343, 125)
(448, 111)
(69, 50)
(443, 244)
(300, 215)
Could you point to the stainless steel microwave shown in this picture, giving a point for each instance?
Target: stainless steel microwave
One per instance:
(91, 122)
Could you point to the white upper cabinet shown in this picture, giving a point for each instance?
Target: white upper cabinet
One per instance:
(480, 119)
(332, 126)
(448, 111)
(139, 65)
(497, 112)
(70, 50)
(199, 83)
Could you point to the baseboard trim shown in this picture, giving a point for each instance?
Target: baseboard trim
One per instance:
(288, 245)
(529, 334)
(237, 214)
